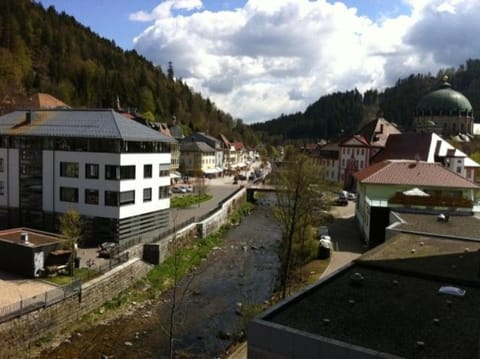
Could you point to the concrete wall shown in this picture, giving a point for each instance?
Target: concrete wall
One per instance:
(213, 223)
(18, 334)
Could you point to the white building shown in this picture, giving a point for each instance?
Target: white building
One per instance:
(112, 170)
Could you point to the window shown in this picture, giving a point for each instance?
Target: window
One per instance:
(2, 188)
(164, 170)
(127, 172)
(91, 196)
(68, 194)
(91, 170)
(163, 192)
(69, 169)
(147, 194)
(127, 197)
(112, 172)
(459, 169)
(111, 198)
(147, 171)
(1, 164)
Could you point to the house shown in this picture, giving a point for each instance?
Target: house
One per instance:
(386, 186)
(36, 101)
(28, 252)
(342, 159)
(356, 151)
(213, 143)
(428, 147)
(327, 156)
(113, 171)
(229, 153)
(197, 158)
(415, 296)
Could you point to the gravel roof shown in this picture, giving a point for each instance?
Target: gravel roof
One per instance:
(389, 312)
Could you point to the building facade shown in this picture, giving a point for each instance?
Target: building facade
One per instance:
(408, 184)
(213, 143)
(196, 158)
(113, 171)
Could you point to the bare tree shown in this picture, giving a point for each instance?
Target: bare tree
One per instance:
(298, 180)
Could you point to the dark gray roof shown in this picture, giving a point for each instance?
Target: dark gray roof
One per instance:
(195, 147)
(458, 226)
(101, 123)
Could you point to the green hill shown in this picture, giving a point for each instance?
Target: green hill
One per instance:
(44, 51)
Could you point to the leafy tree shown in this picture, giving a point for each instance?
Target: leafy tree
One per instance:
(299, 181)
(71, 227)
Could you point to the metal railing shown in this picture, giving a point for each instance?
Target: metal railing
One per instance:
(119, 256)
(42, 300)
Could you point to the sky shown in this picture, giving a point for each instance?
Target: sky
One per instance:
(258, 59)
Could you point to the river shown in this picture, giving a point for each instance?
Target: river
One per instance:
(239, 273)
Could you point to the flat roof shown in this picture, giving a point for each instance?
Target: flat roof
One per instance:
(389, 312)
(457, 261)
(35, 238)
(457, 226)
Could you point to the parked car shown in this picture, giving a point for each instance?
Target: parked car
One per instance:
(180, 189)
(341, 201)
(107, 250)
(351, 196)
(186, 188)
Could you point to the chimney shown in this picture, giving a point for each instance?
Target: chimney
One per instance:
(24, 237)
(28, 117)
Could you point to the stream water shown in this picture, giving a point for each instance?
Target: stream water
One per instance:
(239, 273)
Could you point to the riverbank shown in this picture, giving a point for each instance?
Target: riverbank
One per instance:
(238, 273)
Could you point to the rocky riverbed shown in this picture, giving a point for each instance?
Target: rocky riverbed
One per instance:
(211, 303)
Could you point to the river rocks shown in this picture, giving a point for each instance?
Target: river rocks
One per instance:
(224, 335)
(128, 344)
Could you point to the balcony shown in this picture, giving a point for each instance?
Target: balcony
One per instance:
(430, 201)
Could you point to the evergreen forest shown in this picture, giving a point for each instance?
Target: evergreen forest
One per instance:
(342, 113)
(42, 50)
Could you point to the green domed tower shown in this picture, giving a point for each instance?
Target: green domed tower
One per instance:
(444, 111)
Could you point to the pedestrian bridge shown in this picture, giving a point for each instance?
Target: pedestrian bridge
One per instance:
(252, 188)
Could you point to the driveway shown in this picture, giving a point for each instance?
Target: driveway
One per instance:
(346, 238)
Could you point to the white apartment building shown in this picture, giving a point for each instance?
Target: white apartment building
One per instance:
(112, 170)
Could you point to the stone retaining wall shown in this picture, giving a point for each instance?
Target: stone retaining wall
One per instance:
(20, 333)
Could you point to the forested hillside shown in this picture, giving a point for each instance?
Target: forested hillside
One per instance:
(341, 113)
(44, 51)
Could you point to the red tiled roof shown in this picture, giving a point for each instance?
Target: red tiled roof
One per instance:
(238, 146)
(416, 173)
(406, 146)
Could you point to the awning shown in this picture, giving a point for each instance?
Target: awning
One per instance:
(416, 192)
(211, 171)
(175, 175)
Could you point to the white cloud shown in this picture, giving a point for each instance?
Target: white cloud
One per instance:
(278, 56)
